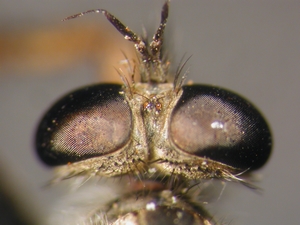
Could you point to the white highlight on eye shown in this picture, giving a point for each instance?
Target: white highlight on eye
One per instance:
(217, 125)
(150, 206)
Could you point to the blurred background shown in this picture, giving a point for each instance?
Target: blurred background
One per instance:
(250, 47)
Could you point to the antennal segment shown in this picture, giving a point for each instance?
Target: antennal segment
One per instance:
(129, 35)
(157, 42)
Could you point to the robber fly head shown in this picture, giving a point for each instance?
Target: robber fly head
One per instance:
(196, 131)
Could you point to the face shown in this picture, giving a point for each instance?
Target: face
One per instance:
(164, 135)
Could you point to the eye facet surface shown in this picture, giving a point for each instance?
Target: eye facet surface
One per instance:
(89, 122)
(217, 124)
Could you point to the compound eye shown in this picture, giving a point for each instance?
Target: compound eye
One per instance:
(217, 124)
(89, 122)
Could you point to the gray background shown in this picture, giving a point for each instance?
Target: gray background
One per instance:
(251, 47)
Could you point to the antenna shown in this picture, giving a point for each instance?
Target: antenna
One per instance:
(151, 67)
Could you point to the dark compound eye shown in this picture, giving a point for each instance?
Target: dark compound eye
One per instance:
(220, 125)
(86, 123)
